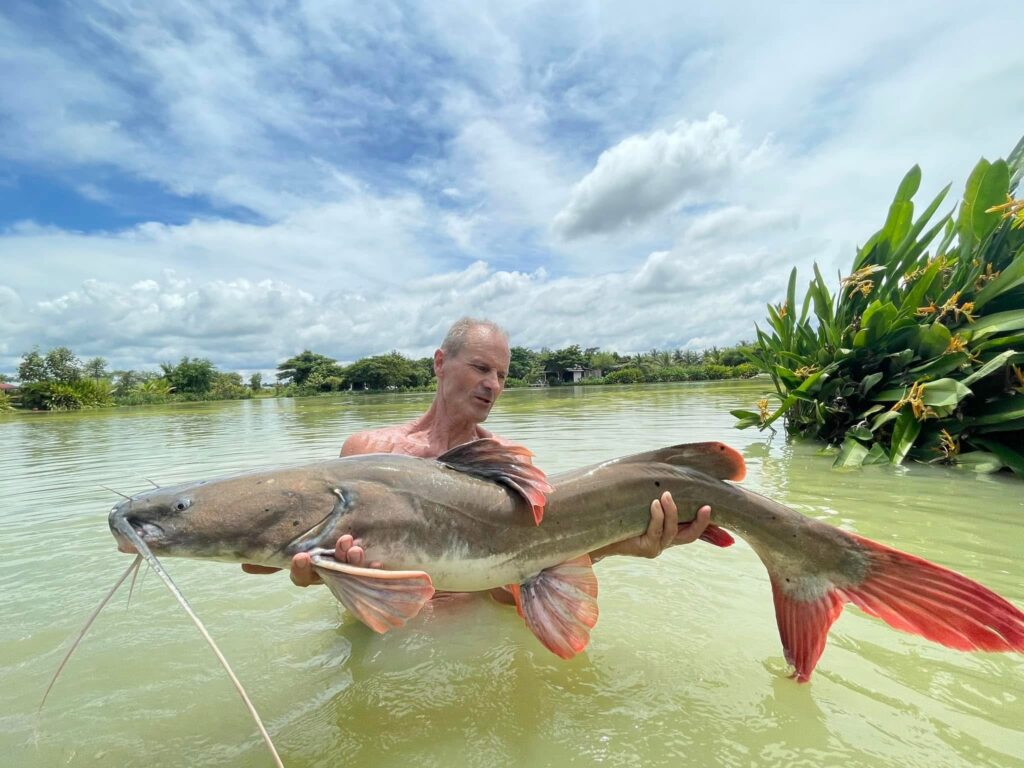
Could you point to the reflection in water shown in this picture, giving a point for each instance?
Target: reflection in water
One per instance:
(684, 668)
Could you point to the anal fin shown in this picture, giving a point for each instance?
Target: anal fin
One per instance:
(559, 605)
(381, 599)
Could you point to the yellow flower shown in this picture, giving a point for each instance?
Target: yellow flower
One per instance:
(914, 399)
(1011, 209)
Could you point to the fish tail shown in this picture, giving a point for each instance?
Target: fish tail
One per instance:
(906, 592)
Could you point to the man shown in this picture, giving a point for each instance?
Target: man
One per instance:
(471, 367)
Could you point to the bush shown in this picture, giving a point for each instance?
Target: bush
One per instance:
(915, 355)
(625, 376)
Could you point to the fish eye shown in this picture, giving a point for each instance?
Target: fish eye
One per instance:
(182, 504)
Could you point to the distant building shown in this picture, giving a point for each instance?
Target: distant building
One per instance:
(10, 389)
(572, 375)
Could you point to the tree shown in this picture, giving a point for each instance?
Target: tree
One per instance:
(95, 368)
(524, 364)
(256, 382)
(194, 375)
(561, 360)
(32, 367)
(604, 361)
(63, 366)
(390, 371)
(298, 369)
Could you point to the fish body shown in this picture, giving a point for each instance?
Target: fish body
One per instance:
(482, 516)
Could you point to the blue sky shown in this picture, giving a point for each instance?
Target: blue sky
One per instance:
(223, 180)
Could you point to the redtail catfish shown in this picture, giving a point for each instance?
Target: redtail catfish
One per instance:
(482, 516)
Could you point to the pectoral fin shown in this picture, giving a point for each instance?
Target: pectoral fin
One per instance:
(559, 606)
(506, 464)
(382, 600)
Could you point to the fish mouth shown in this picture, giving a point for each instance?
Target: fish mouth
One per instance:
(149, 533)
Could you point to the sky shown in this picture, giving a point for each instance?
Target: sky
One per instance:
(242, 181)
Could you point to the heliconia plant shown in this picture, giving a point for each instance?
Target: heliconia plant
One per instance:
(919, 353)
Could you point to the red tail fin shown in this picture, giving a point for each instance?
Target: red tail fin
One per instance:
(906, 592)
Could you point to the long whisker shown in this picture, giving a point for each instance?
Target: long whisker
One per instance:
(124, 527)
(151, 482)
(133, 568)
(117, 492)
(131, 586)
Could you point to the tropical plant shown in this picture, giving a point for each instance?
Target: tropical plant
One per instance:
(191, 375)
(95, 368)
(298, 369)
(5, 402)
(919, 352)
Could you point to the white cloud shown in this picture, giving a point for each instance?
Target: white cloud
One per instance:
(644, 175)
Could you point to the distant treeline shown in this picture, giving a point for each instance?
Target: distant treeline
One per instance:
(59, 380)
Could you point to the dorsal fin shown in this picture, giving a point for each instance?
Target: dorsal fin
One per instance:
(504, 463)
(716, 460)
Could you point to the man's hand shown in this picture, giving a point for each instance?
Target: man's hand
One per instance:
(346, 550)
(663, 531)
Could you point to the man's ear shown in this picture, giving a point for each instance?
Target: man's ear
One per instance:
(438, 362)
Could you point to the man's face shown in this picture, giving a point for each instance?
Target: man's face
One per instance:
(471, 380)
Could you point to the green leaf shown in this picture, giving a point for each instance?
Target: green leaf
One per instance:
(859, 432)
(870, 381)
(897, 224)
(1015, 162)
(943, 393)
(1010, 457)
(741, 414)
(910, 184)
(991, 191)
(1012, 320)
(932, 340)
(876, 455)
(852, 454)
(1000, 341)
(1009, 409)
(940, 366)
(1008, 279)
(915, 297)
(903, 436)
(791, 293)
(979, 461)
(965, 221)
(884, 418)
(993, 365)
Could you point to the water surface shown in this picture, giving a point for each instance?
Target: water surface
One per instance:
(684, 667)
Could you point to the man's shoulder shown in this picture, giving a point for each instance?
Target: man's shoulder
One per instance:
(381, 440)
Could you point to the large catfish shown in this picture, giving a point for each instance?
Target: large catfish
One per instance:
(482, 516)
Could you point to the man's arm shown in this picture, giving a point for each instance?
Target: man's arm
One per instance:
(663, 531)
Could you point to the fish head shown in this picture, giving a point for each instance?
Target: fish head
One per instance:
(257, 517)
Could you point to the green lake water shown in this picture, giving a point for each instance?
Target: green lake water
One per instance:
(684, 667)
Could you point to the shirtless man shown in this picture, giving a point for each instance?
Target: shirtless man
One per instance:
(471, 367)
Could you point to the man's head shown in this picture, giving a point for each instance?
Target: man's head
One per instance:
(471, 368)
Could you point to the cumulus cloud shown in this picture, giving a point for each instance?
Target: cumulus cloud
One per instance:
(644, 175)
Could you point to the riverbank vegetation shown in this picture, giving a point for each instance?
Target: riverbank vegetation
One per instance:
(59, 380)
(919, 351)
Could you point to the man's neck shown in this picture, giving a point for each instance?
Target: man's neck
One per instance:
(442, 431)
